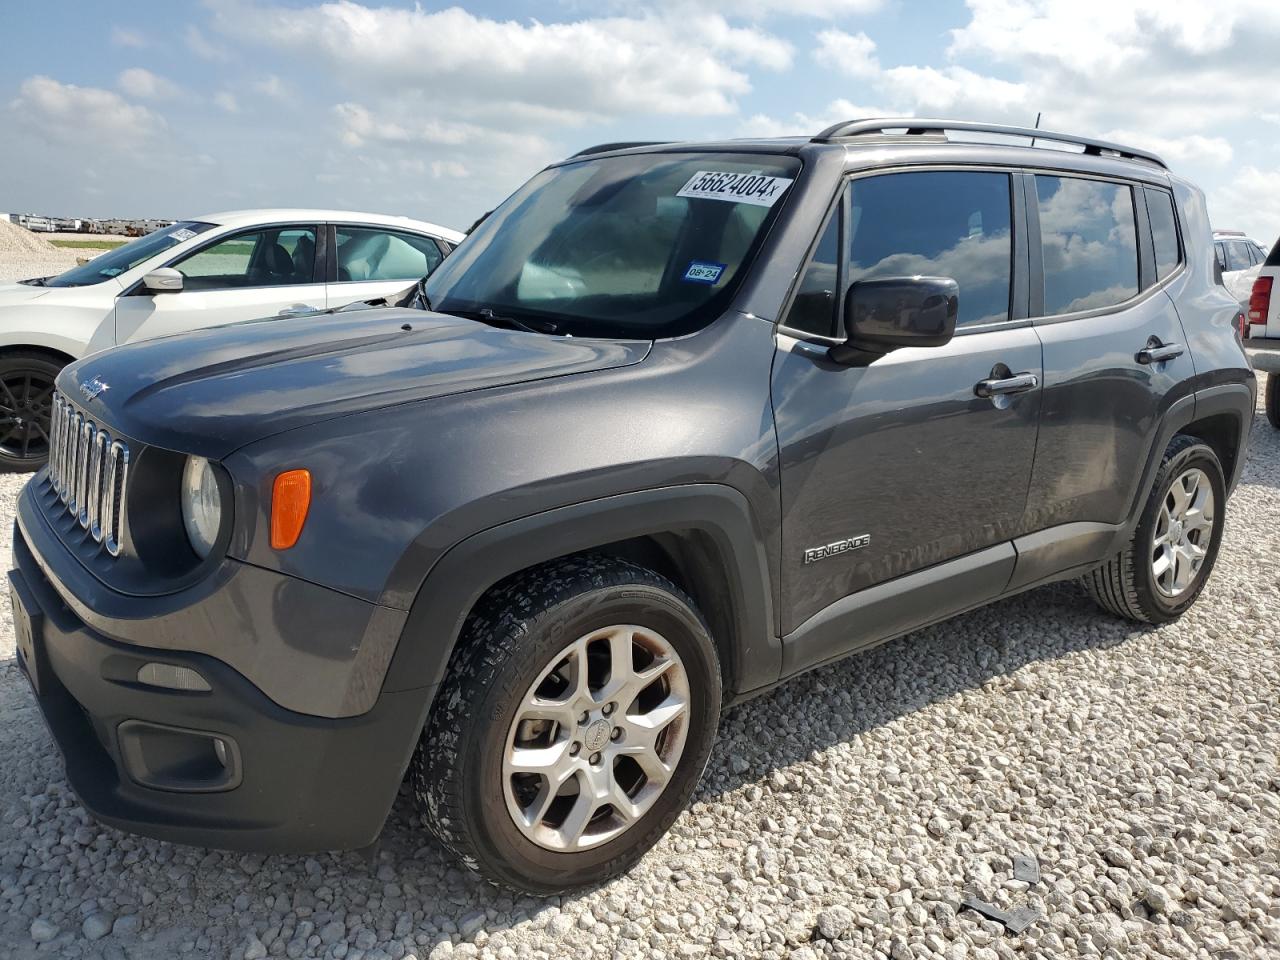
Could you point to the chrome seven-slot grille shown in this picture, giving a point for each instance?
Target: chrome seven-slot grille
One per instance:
(88, 470)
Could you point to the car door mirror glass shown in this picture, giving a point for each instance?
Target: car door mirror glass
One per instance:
(163, 280)
(887, 313)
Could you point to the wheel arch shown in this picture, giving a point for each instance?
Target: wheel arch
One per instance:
(701, 536)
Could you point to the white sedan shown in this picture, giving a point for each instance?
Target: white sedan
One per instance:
(198, 273)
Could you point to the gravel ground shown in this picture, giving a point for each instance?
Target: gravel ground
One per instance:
(845, 815)
(24, 254)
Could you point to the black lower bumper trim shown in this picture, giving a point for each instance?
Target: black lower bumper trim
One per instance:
(307, 783)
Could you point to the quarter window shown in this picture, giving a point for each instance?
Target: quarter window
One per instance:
(278, 256)
(814, 308)
(1238, 255)
(383, 255)
(938, 224)
(1164, 231)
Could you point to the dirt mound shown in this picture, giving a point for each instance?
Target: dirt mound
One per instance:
(24, 254)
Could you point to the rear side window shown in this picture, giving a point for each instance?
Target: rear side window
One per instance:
(814, 308)
(365, 254)
(1164, 231)
(1238, 255)
(937, 224)
(1089, 240)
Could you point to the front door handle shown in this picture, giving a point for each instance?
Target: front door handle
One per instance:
(1019, 383)
(1157, 352)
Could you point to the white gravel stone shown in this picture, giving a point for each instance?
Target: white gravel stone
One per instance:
(1138, 765)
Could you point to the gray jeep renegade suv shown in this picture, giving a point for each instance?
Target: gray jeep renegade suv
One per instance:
(675, 423)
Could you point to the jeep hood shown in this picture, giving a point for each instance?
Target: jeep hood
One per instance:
(212, 391)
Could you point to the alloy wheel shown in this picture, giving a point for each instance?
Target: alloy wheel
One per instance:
(1184, 530)
(26, 403)
(596, 738)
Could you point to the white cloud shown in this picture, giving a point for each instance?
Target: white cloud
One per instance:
(763, 9)
(203, 47)
(226, 101)
(929, 90)
(850, 53)
(450, 169)
(272, 86)
(606, 67)
(125, 37)
(805, 125)
(68, 114)
(1249, 201)
(359, 127)
(145, 85)
(1193, 148)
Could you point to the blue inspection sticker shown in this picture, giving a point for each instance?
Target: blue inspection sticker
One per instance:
(701, 271)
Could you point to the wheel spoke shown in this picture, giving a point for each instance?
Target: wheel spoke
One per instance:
(575, 822)
(552, 761)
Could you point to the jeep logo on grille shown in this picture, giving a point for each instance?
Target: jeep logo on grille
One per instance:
(90, 389)
(840, 546)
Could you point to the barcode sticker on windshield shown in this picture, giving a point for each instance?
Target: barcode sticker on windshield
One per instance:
(758, 189)
(182, 234)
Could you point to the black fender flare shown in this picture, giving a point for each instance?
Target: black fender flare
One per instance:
(473, 565)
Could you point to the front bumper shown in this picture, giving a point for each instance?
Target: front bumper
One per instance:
(299, 782)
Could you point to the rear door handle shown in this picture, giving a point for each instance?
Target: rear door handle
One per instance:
(1020, 383)
(1159, 352)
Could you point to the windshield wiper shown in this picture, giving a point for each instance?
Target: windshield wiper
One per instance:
(487, 315)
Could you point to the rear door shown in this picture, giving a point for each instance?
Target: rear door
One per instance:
(260, 272)
(900, 465)
(371, 262)
(1115, 353)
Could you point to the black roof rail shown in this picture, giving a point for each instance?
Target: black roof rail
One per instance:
(916, 126)
(620, 145)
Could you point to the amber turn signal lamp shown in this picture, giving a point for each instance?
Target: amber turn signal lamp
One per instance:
(290, 501)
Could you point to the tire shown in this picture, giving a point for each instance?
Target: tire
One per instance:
(1127, 584)
(1272, 400)
(26, 400)
(523, 636)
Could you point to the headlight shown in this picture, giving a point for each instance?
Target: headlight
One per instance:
(201, 505)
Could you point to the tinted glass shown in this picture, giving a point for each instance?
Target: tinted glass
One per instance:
(649, 245)
(383, 255)
(1089, 240)
(1164, 231)
(111, 264)
(1259, 255)
(278, 256)
(1238, 255)
(940, 224)
(814, 308)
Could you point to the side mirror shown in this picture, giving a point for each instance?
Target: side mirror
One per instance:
(884, 314)
(163, 280)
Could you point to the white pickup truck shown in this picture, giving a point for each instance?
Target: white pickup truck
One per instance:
(1262, 330)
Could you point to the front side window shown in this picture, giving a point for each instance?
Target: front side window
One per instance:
(937, 224)
(814, 308)
(271, 257)
(647, 245)
(1164, 231)
(371, 254)
(1089, 240)
(107, 266)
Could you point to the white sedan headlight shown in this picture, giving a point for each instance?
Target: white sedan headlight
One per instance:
(201, 505)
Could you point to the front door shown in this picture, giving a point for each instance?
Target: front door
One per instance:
(264, 272)
(901, 465)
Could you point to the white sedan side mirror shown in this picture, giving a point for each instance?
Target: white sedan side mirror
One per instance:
(163, 280)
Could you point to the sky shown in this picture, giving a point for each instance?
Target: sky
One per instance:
(172, 109)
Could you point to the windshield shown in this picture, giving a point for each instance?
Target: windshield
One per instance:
(111, 264)
(650, 245)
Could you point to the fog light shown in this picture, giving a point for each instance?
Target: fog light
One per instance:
(172, 678)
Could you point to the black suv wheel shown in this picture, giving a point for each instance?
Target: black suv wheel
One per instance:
(26, 401)
(1164, 567)
(573, 725)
